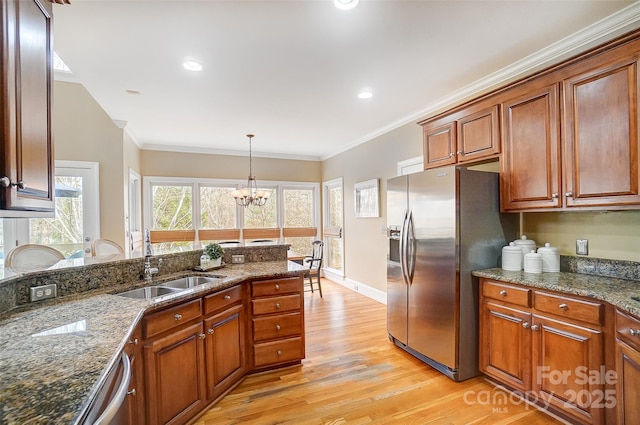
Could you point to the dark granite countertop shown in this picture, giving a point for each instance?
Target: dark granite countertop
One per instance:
(54, 357)
(618, 292)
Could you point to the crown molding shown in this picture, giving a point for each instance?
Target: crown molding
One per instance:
(599, 32)
(230, 152)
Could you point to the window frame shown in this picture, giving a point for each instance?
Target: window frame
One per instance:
(195, 183)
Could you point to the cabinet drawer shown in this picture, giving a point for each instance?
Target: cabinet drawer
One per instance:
(624, 326)
(280, 326)
(161, 321)
(276, 304)
(569, 308)
(507, 293)
(222, 299)
(287, 350)
(269, 287)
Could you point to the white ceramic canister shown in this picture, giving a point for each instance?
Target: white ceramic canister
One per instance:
(533, 262)
(511, 258)
(550, 258)
(526, 245)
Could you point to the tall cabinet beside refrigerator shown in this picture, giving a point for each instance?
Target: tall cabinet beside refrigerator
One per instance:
(442, 224)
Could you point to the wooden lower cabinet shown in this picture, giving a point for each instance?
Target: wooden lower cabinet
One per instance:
(506, 339)
(225, 350)
(627, 369)
(554, 361)
(174, 374)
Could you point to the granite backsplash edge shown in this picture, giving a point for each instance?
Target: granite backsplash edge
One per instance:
(14, 290)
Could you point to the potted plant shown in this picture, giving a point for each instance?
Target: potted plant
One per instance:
(215, 253)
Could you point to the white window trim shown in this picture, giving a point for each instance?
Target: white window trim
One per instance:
(196, 183)
(330, 184)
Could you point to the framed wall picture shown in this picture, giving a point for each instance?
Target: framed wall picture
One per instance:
(366, 198)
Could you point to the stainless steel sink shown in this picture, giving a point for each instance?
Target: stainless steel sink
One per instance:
(191, 281)
(149, 292)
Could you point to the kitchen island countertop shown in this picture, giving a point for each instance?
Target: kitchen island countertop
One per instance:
(618, 292)
(55, 357)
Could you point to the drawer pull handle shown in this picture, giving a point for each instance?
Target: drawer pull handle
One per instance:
(534, 327)
(634, 332)
(563, 306)
(278, 327)
(277, 287)
(278, 353)
(227, 297)
(202, 336)
(132, 392)
(177, 316)
(133, 341)
(210, 331)
(503, 293)
(554, 195)
(277, 305)
(569, 194)
(526, 325)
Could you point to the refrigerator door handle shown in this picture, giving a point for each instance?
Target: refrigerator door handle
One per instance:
(403, 249)
(410, 249)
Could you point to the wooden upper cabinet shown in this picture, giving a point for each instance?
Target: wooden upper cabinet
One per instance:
(439, 145)
(465, 136)
(478, 135)
(601, 135)
(530, 166)
(25, 113)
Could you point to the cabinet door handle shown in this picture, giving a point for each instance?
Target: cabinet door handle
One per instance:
(277, 287)
(6, 182)
(534, 327)
(459, 153)
(278, 353)
(525, 325)
(133, 341)
(503, 293)
(277, 305)
(278, 327)
(563, 306)
(132, 392)
(451, 155)
(569, 194)
(210, 331)
(202, 336)
(634, 332)
(177, 316)
(227, 297)
(554, 195)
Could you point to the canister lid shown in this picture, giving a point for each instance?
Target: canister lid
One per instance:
(532, 255)
(548, 249)
(511, 248)
(523, 241)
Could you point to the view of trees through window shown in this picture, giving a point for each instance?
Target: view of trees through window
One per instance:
(173, 208)
(334, 249)
(64, 232)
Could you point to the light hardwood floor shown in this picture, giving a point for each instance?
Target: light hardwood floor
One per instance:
(352, 374)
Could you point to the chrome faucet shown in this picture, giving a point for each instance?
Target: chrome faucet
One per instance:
(150, 271)
(147, 243)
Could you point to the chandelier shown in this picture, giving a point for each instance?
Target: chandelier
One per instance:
(250, 195)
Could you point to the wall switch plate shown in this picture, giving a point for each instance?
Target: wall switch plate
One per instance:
(237, 259)
(43, 292)
(582, 246)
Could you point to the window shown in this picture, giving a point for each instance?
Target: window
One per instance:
(178, 220)
(333, 213)
(172, 212)
(77, 219)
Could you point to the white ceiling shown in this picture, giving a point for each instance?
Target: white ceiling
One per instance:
(289, 71)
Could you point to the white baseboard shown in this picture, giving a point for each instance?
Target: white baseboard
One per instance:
(359, 287)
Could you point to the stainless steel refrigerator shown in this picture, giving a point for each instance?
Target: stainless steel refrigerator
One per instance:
(442, 224)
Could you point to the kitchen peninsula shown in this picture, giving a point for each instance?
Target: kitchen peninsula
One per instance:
(55, 355)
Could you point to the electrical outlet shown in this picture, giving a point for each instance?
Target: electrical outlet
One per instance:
(582, 246)
(44, 292)
(237, 259)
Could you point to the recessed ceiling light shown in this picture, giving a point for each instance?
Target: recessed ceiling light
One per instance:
(365, 94)
(191, 65)
(345, 4)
